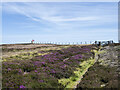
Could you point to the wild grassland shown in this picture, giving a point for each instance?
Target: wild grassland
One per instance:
(67, 66)
(44, 68)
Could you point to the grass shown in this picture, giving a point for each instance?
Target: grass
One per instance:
(48, 70)
(31, 54)
(22, 57)
(74, 80)
(29, 50)
(99, 76)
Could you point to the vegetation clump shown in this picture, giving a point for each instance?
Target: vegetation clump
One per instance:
(44, 71)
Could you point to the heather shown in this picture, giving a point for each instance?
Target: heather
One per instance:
(105, 72)
(100, 76)
(44, 70)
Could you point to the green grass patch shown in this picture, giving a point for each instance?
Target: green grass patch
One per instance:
(74, 80)
(24, 56)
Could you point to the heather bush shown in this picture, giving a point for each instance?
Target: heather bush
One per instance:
(43, 71)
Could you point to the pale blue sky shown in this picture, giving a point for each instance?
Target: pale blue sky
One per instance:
(59, 22)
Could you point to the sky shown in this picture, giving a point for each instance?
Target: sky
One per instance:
(59, 21)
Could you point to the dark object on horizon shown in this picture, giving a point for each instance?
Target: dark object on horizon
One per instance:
(104, 43)
(99, 43)
(95, 42)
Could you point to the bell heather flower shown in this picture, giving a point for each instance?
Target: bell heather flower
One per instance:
(21, 86)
